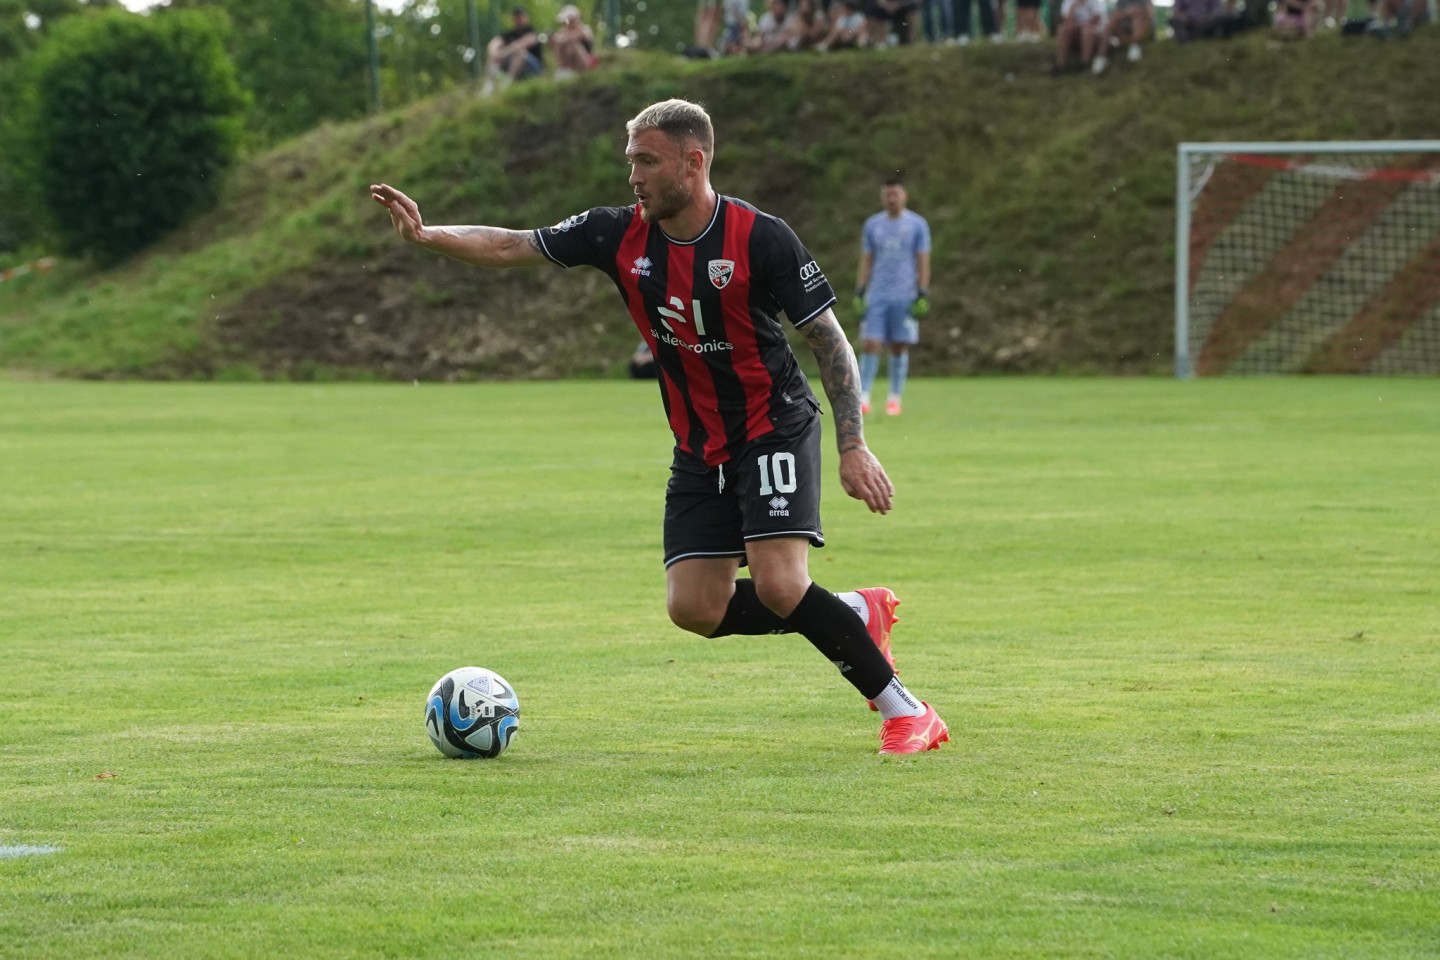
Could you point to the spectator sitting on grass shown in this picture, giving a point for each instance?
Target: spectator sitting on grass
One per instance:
(737, 28)
(989, 26)
(891, 18)
(1028, 28)
(1399, 17)
(515, 54)
(1197, 20)
(807, 26)
(642, 363)
(573, 42)
(708, 17)
(937, 20)
(847, 27)
(1130, 22)
(1295, 19)
(771, 33)
(1080, 24)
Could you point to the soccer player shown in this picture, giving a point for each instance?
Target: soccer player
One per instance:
(704, 277)
(892, 290)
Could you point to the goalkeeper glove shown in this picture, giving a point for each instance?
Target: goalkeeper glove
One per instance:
(920, 309)
(859, 302)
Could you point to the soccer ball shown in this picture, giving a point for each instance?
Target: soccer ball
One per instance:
(472, 712)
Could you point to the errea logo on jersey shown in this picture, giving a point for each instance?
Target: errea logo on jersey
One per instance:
(642, 267)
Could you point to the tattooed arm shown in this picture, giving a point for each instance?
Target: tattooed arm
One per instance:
(860, 473)
(479, 246)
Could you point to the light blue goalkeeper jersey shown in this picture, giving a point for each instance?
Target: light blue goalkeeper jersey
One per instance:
(894, 244)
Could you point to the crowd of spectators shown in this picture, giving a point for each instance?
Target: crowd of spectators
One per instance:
(1088, 34)
(520, 51)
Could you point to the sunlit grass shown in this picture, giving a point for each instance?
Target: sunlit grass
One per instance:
(1182, 632)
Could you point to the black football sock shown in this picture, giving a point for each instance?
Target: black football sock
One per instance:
(747, 616)
(837, 631)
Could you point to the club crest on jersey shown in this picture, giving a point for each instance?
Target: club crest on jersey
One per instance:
(720, 273)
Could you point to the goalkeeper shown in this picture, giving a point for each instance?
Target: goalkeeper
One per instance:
(892, 290)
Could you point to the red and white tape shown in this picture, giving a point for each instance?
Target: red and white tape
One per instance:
(34, 266)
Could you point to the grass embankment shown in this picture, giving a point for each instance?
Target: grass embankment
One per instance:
(1184, 634)
(1051, 202)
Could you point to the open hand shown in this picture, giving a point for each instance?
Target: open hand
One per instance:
(863, 478)
(404, 212)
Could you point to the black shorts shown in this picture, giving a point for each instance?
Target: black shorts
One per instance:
(772, 489)
(901, 16)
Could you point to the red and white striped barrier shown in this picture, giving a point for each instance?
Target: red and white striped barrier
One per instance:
(34, 266)
(1337, 171)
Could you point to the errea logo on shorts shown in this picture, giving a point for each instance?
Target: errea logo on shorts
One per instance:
(779, 507)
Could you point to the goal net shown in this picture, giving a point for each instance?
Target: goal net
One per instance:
(1307, 258)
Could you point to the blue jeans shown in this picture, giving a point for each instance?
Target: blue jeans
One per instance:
(987, 18)
(938, 19)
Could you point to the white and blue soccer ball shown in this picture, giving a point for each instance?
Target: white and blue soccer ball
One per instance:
(472, 712)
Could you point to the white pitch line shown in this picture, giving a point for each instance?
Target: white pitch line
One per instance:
(25, 850)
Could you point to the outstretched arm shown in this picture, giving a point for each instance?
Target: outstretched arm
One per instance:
(861, 474)
(480, 246)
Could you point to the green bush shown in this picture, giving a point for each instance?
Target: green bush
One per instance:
(134, 121)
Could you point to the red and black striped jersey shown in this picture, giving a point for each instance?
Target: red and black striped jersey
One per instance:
(709, 309)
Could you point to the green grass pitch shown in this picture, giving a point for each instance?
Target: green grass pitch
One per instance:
(1186, 636)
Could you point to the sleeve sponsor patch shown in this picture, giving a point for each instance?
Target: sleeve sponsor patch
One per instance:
(570, 222)
(812, 276)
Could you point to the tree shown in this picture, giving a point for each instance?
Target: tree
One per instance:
(302, 62)
(134, 120)
(23, 25)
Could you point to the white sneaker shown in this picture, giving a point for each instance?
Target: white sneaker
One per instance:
(1098, 65)
(963, 40)
(1134, 53)
(997, 38)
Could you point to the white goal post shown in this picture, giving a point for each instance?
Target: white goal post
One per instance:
(1307, 258)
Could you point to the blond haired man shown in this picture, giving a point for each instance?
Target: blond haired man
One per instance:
(704, 277)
